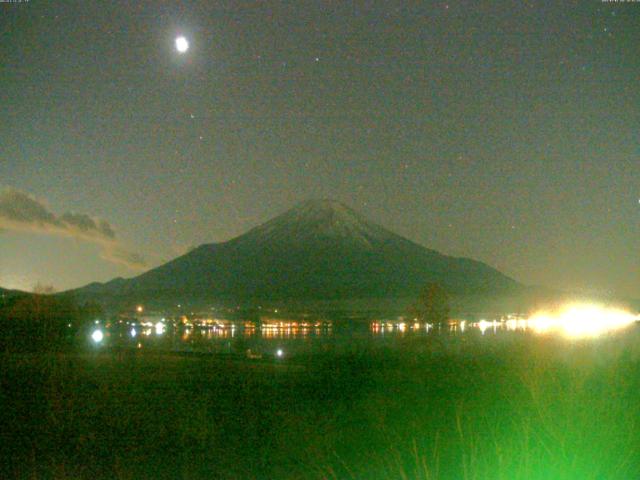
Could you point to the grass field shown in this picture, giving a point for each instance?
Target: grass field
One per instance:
(527, 408)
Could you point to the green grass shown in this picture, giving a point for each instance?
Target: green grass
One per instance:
(531, 408)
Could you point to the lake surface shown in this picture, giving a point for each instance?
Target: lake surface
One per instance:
(280, 338)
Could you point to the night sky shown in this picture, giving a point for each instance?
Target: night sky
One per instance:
(503, 131)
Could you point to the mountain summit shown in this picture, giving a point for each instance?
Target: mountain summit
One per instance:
(320, 249)
(318, 221)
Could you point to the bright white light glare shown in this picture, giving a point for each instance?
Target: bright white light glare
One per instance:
(182, 44)
(159, 328)
(582, 321)
(133, 332)
(279, 352)
(97, 336)
(483, 325)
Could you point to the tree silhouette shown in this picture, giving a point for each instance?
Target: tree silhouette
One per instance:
(33, 323)
(432, 305)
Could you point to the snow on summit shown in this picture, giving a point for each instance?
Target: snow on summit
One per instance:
(318, 219)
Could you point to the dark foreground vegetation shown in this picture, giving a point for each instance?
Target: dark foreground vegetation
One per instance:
(526, 408)
(31, 323)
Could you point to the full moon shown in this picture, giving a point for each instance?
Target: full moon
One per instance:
(182, 44)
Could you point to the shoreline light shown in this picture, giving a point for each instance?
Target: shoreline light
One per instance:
(159, 328)
(97, 336)
(582, 321)
(182, 44)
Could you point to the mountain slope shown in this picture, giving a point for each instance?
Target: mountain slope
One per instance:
(317, 250)
(6, 293)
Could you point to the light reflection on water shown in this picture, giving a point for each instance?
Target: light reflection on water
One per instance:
(291, 337)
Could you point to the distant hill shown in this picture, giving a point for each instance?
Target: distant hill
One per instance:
(5, 293)
(8, 297)
(320, 249)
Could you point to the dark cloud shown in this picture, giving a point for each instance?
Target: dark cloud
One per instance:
(123, 257)
(106, 229)
(22, 212)
(88, 225)
(19, 207)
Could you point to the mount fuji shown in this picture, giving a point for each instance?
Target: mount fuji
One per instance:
(320, 249)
